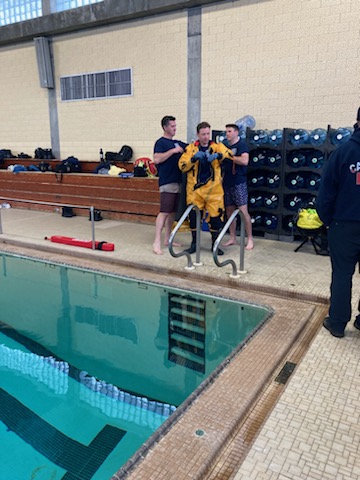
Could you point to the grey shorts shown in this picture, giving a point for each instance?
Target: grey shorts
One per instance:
(236, 195)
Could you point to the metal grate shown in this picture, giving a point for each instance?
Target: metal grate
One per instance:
(285, 373)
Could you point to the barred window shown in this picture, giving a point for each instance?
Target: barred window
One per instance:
(112, 83)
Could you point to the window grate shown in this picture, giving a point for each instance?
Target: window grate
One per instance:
(112, 83)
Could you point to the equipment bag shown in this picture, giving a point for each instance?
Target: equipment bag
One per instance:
(308, 219)
(5, 153)
(97, 215)
(125, 153)
(144, 164)
(44, 154)
(68, 212)
(44, 166)
(70, 165)
(110, 157)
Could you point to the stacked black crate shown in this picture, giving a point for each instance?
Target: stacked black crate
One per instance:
(265, 181)
(305, 155)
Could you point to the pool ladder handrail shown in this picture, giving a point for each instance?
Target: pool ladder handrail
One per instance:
(235, 273)
(91, 208)
(190, 265)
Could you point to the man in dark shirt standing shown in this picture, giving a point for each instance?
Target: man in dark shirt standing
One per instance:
(235, 183)
(338, 206)
(166, 157)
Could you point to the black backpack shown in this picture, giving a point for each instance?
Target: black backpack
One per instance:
(140, 171)
(4, 153)
(70, 165)
(44, 166)
(125, 153)
(68, 212)
(110, 157)
(44, 154)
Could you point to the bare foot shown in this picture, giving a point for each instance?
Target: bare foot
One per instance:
(175, 244)
(157, 249)
(250, 245)
(229, 242)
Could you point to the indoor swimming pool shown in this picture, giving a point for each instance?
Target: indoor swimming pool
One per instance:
(92, 364)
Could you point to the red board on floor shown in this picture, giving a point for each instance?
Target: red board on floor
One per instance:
(77, 242)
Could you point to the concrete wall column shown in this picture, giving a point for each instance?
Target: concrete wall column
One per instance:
(194, 72)
(53, 113)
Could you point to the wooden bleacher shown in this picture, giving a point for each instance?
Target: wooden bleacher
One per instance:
(134, 199)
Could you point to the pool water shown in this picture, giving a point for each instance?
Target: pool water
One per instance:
(92, 364)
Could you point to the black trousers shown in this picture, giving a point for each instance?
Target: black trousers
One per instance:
(216, 223)
(344, 246)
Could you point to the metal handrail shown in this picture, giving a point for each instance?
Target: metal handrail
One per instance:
(91, 208)
(235, 272)
(190, 265)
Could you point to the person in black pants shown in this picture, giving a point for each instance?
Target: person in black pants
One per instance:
(338, 206)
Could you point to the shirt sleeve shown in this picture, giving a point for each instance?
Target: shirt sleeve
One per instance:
(242, 148)
(161, 146)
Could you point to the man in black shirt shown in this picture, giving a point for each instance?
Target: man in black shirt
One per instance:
(166, 156)
(235, 183)
(338, 206)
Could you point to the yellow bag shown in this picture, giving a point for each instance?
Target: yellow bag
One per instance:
(308, 219)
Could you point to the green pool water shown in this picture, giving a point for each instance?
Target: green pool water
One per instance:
(92, 364)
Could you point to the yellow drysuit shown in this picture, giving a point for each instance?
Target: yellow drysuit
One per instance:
(204, 182)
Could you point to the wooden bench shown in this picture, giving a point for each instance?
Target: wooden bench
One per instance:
(87, 166)
(134, 199)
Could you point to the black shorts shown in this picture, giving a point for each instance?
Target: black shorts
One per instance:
(169, 202)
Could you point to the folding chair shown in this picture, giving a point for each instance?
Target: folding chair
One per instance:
(313, 236)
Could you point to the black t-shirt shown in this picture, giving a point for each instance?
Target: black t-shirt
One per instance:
(168, 171)
(234, 174)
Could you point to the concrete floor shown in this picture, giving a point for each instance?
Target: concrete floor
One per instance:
(313, 432)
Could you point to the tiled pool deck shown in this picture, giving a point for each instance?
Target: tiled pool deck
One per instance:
(306, 428)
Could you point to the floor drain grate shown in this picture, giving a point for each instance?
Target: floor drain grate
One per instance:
(285, 373)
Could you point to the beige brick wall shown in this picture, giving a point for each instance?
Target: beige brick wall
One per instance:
(156, 50)
(24, 117)
(287, 63)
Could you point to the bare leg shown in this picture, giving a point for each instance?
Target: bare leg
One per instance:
(232, 228)
(248, 227)
(168, 227)
(159, 225)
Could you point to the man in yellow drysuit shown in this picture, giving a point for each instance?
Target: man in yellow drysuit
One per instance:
(201, 161)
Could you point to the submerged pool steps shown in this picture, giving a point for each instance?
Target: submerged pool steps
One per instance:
(188, 356)
(189, 341)
(187, 314)
(187, 328)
